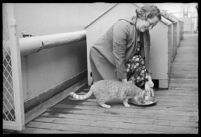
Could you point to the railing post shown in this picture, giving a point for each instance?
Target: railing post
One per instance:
(12, 52)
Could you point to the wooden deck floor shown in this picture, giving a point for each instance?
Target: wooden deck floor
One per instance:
(176, 111)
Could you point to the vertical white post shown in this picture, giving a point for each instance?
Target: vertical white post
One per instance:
(16, 68)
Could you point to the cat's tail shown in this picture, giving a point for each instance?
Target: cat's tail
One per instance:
(81, 97)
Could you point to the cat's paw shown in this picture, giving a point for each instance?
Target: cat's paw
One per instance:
(107, 106)
(127, 105)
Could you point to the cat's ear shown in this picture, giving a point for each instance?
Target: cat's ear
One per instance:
(146, 79)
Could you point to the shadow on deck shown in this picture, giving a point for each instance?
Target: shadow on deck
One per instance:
(175, 112)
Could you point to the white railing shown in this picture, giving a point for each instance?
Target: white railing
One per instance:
(30, 45)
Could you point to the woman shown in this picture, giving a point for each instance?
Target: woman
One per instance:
(120, 53)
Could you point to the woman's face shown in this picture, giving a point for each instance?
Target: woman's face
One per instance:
(143, 25)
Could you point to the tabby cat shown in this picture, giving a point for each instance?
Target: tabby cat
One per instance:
(107, 90)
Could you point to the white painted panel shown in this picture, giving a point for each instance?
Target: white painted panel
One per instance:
(49, 68)
(159, 51)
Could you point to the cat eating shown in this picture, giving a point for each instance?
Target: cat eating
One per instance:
(107, 90)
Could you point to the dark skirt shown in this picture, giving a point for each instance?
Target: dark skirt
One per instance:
(136, 70)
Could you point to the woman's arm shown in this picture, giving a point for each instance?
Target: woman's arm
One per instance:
(147, 57)
(147, 43)
(120, 32)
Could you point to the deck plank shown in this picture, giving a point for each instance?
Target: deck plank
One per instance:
(145, 120)
(116, 124)
(40, 130)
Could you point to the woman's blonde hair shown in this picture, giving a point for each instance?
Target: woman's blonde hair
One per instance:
(148, 11)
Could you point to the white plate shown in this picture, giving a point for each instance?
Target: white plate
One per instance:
(147, 104)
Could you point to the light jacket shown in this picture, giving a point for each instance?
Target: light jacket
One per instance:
(118, 44)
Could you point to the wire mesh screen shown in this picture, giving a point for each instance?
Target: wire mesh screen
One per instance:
(8, 94)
